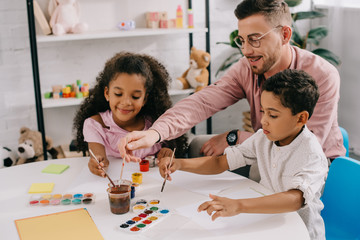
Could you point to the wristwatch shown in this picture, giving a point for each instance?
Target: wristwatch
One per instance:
(232, 137)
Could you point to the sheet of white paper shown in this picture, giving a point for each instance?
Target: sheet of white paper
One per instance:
(210, 184)
(223, 225)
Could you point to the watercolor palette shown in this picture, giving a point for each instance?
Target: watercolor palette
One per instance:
(62, 199)
(146, 214)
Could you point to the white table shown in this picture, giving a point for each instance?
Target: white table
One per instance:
(186, 189)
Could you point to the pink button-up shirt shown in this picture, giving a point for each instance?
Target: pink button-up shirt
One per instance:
(240, 82)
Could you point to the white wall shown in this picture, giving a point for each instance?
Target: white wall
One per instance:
(343, 40)
(64, 62)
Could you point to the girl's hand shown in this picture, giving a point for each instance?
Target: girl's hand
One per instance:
(94, 166)
(223, 207)
(164, 152)
(164, 167)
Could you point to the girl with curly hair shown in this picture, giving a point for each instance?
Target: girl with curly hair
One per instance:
(130, 94)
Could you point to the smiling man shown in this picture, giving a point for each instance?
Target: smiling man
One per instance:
(264, 28)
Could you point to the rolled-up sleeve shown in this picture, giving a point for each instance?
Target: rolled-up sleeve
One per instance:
(309, 179)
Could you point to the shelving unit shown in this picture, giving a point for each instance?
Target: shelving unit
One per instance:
(53, 103)
(117, 34)
(64, 102)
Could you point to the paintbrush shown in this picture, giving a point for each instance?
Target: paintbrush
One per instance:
(102, 167)
(123, 162)
(172, 157)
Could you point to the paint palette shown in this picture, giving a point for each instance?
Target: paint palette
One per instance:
(148, 217)
(61, 199)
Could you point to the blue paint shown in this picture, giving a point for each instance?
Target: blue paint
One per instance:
(164, 211)
(130, 222)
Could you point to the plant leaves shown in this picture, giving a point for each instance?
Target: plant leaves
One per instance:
(233, 35)
(316, 34)
(307, 15)
(233, 58)
(293, 3)
(297, 39)
(328, 55)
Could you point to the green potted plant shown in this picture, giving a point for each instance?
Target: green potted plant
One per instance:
(313, 36)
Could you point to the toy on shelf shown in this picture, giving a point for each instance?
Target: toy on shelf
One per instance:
(196, 76)
(152, 19)
(161, 20)
(65, 17)
(190, 18)
(69, 91)
(126, 25)
(179, 17)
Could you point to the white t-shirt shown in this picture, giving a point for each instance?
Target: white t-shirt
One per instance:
(300, 165)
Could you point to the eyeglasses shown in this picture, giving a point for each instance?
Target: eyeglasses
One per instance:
(253, 40)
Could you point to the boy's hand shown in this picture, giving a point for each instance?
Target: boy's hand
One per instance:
(94, 166)
(165, 169)
(223, 207)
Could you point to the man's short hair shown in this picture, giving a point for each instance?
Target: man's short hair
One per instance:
(276, 12)
(296, 89)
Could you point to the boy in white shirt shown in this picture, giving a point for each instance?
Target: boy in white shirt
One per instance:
(290, 158)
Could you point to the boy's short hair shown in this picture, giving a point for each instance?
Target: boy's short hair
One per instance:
(296, 89)
(276, 12)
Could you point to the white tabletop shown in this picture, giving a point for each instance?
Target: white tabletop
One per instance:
(181, 195)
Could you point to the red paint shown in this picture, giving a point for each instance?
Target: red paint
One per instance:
(34, 202)
(147, 221)
(134, 229)
(144, 166)
(142, 215)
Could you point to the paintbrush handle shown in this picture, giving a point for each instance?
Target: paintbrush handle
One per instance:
(166, 176)
(102, 167)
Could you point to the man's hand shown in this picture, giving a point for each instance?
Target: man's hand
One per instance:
(136, 140)
(215, 146)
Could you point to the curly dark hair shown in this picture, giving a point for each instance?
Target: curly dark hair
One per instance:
(296, 89)
(157, 81)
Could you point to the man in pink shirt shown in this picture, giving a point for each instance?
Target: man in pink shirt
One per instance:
(264, 38)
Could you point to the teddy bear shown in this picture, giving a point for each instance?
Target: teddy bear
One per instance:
(65, 17)
(30, 148)
(196, 76)
(8, 157)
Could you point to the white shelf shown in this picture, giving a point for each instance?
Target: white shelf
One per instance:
(65, 102)
(117, 34)
(61, 102)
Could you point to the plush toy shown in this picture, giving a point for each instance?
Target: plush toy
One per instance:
(197, 76)
(7, 157)
(30, 148)
(65, 17)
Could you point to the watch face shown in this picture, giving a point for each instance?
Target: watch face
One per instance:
(231, 137)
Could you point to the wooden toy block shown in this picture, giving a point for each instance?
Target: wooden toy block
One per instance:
(56, 88)
(172, 23)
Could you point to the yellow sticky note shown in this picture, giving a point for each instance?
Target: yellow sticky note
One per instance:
(55, 168)
(41, 187)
